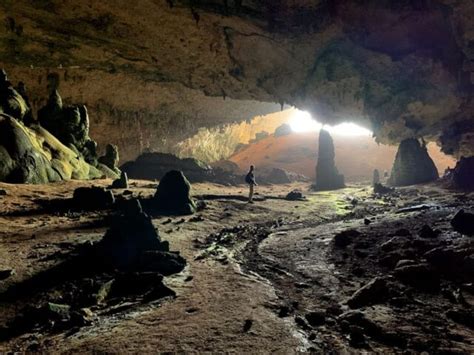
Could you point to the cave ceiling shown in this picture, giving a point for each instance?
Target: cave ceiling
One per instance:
(402, 68)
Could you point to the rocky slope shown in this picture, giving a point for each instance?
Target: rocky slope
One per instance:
(153, 72)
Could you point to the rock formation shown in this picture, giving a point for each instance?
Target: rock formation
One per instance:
(70, 124)
(376, 177)
(111, 158)
(412, 164)
(327, 176)
(283, 130)
(173, 195)
(154, 166)
(462, 176)
(33, 155)
(11, 102)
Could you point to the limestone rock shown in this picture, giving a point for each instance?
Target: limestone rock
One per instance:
(154, 166)
(11, 102)
(33, 155)
(283, 130)
(374, 292)
(376, 178)
(121, 183)
(295, 195)
(111, 158)
(463, 222)
(173, 194)
(69, 124)
(327, 176)
(412, 164)
(92, 198)
(462, 177)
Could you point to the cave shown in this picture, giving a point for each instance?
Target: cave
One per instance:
(237, 176)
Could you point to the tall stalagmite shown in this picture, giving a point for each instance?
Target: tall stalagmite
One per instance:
(412, 164)
(327, 176)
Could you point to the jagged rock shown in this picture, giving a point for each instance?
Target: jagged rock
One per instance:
(69, 124)
(375, 178)
(154, 166)
(462, 176)
(375, 291)
(32, 155)
(316, 318)
(173, 194)
(463, 222)
(111, 158)
(295, 195)
(421, 276)
(453, 262)
(128, 238)
(345, 238)
(122, 182)
(92, 198)
(166, 263)
(327, 176)
(382, 190)
(427, 232)
(283, 130)
(412, 164)
(11, 102)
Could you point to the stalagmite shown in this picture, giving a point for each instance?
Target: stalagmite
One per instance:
(327, 176)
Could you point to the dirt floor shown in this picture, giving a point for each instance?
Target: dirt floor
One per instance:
(275, 276)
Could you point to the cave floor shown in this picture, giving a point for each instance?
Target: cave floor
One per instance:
(255, 271)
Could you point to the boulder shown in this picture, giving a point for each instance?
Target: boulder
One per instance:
(375, 291)
(421, 276)
(327, 176)
(226, 166)
(283, 130)
(154, 166)
(173, 195)
(462, 176)
(111, 158)
(130, 235)
(412, 164)
(427, 232)
(295, 195)
(463, 222)
(345, 238)
(382, 190)
(121, 183)
(92, 198)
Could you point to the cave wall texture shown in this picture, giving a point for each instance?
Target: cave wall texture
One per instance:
(152, 72)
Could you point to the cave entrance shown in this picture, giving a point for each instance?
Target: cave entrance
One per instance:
(293, 146)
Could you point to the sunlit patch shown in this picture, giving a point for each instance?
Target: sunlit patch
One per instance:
(301, 121)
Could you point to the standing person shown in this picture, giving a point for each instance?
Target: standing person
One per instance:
(250, 179)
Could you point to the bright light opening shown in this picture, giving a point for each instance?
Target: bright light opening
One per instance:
(301, 121)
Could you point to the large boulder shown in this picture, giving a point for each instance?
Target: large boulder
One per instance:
(412, 164)
(283, 130)
(173, 195)
(32, 155)
(327, 176)
(462, 176)
(154, 166)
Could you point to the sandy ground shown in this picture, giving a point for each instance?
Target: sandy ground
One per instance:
(246, 262)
